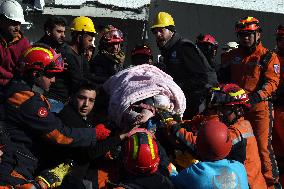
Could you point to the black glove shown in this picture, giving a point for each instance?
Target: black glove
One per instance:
(164, 116)
(254, 98)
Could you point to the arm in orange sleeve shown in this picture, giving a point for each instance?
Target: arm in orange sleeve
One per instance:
(271, 77)
(186, 137)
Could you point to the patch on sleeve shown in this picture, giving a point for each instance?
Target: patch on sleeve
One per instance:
(276, 68)
(42, 112)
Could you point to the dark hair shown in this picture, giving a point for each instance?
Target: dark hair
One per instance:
(51, 22)
(87, 84)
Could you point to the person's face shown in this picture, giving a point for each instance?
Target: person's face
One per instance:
(247, 39)
(87, 42)
(227, 113)
(280, 43)
(10, 27)
(89, 53)
(162, 35)
(57, 34)
(45, 81)
(84, 101)
(113, 48)
(141, 59)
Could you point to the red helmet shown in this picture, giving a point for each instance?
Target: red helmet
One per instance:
(229, 95)
(141, 153)
(110, 34)
(280, 31)
(247, 24)
(207, 38)
(143, 50)
(213, 141)
(43, 59)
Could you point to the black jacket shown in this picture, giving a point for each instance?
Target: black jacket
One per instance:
(31, 126)
(68, 81)
(190, 69)
(105, 66)
(84, 159)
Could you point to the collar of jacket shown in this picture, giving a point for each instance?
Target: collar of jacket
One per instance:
(47, 41)
(72, 118)
(5, 43)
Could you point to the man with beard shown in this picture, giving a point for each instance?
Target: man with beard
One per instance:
(54, 35)
(82, 34)
(185, 62)
(12, 42)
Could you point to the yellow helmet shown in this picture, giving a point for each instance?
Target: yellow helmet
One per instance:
(83, 24)
(162, 20)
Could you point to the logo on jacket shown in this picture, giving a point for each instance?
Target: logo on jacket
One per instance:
(42, 112)
(276, 68)
(174, 54)
(237, 60)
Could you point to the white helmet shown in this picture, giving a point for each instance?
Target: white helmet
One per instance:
(11, 9)
(229, 46)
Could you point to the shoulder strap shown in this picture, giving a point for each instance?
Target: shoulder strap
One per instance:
(265, 58)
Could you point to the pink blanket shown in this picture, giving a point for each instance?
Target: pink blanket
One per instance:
(138, 83)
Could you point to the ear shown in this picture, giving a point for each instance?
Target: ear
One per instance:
(36, 74)
(47, 32)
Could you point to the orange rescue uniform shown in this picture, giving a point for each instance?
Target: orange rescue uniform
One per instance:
(246, 71)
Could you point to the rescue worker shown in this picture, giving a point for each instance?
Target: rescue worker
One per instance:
(54, 32)
(30, 123)
(110, 58)
(78, 114)
(257, 70)
(278, 131)
(213, 144)
(230, 101)
(82, 34)
(208, 45)
(140, 160)
(12, 43)
(141, 54)
(184, 62)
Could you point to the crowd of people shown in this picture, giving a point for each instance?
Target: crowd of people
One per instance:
(70, 118)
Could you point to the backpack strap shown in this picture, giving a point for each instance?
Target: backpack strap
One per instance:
(265, 58)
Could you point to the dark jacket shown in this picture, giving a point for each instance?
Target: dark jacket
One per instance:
(45, 40)
(85, 165)
(31, 125)
(68, 81)
(105, 65)
(190, 69)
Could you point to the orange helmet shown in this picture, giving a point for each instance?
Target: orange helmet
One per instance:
(213, 141)
(247, 24)
(43, 59)
(141, 153)
(110, 34)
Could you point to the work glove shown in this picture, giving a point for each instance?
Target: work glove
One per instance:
(254, 98)
(52, 178)
(166, 118)
(102, 132)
